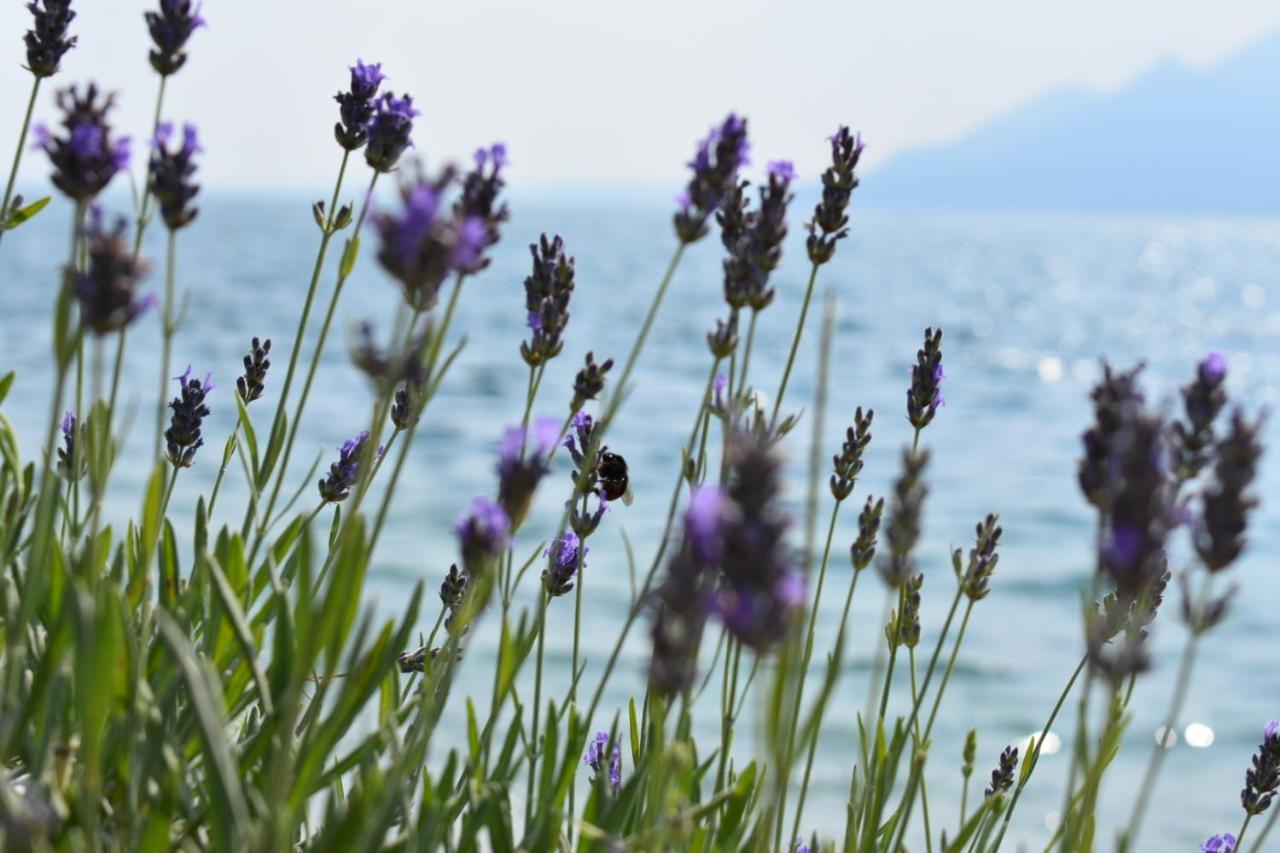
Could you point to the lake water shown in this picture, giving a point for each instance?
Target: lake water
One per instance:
(1028, 303)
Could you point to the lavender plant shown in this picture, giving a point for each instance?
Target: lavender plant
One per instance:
(190, 685)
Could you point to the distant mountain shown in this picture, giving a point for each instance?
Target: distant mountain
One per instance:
(1176, 140)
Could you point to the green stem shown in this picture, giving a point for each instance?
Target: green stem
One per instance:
(277, 422)
(1035, 753)
(1248, 816)
(746, 354)
(893, 656)
(951, 661)
(795, 346)
(534, 731)
(291, 439)
(1266, 830)
(222, 471)
(916, 697)
(17, 155)
(166, 346)
(143, 217)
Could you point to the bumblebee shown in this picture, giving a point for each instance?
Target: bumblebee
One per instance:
(615, 482)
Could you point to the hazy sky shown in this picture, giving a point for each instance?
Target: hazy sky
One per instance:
(591, 91)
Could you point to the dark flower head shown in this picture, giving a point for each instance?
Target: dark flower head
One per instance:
(589, 381)
(85, 157)
(172, 175)
(597, 749)
(1140, 510)
(522, 463)
(904, 524)
(715, 168)
(925, 394)
(72, 432)
(47, 40)
(483, 533)
(252, 382)
(1227, 502)
(1224, 843)
(975, 576)
(355, 106)
(345, 471)
(704, 523)
(754, 239)
(170, 29)
(1202, 400)
(423, 244)
(1116, 400)
(389, 131)
(479, 203)
(1002, 776)
(386, 368)
(453, 588)
(182, 438)
(547, 289)
(108, 290)
(830, 220)
(562, 554)
(863, 550)
(847, 463)
(724, 339)
(903, 628)
(760, 588)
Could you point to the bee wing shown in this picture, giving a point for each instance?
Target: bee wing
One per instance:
(628, 497)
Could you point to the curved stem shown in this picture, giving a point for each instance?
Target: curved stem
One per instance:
(795, 346)
(222, 471)
(746, 354)
(17, 155)
(1266, 830)
(166, 334)
(143, 217)
(533, 731)
(916, 696)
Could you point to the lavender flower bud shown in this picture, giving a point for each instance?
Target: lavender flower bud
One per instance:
(483, 534)
(1002, 776)
(336, 486)
(47, 40)
(404, 408)
(522, 463)
(754, 240)
(1116, 398)
(904, 524)
(1140, 514)
(848, 462)
(355, 106)
(453, 588)
(1219, 533)
(735, 216)
(1202, 400)
(170, 29)
(1262, 780)
(589, 381)
(72, 432)
(904, 629)
(420, 246)
(389, 131)
(863, 550)
(724, 340)
(548, 289)
(970, 753)
(830, 221)
(252, 382)
(1200, 616)
(925, 394)
(595, 759)
(557, 578)
(479, 199)
(182, 438)
(86, 157)
(715, 168)
(974, 579)
(108, 289)
(1224, 843)
(1121, 663)
(759, 589)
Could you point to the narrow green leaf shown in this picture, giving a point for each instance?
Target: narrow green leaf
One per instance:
(6, 382)
(350, 251)
(23, 214)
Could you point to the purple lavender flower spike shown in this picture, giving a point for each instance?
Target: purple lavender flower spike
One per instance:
(595, 759)
(170, 29)
(522, 463)
(86, 157)
(558, 577)
(830, 222)
(715, 168)
(67, 452)
(800, 846)
(172, 175)
(183, 438)
(479, 204)
(108, 289)
(548, 289)
(754, 238)
(389, 131)
(47, 40)
(925, 394)
(336, 486)
(1224, 843)
(783, 170)
(1202, 401)
(424, 244)
(1262, 779)
(704, 524)
(1213, 369)
(355, 106)
(483, 533)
